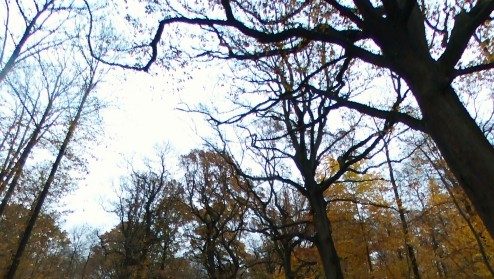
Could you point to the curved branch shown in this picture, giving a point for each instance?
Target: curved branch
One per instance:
(321, 32)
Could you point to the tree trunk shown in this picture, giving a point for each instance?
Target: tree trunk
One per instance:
(18, 169)
(287, 261)
(404, 223)
(442, 269)
(465, 148)
(209, 262)
(83, 272)
(366, 240)
(324, 240)
(19, 165)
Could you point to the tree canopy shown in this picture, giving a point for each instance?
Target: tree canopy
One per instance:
(353, 139)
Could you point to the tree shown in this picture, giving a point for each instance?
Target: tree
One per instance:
(467, 231)
(293, 129)
(41, 116)
(44, 255)
(145, 242)
(444, 237)
(427, 49)
(42, 101)
(281, 216)
(214, 199)
(82, 240)
(360, 214)
(412, 259)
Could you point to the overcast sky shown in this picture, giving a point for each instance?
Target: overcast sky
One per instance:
(142, 113)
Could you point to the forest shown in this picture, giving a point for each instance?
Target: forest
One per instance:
(348, 139)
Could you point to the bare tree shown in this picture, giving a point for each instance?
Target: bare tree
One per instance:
(29, 28)
(151, 213)
(46, 91)
(404, 222)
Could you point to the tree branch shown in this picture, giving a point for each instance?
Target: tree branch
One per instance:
(473, 69)
(465, 25)
(395, 116)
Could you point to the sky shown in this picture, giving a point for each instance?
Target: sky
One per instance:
(141, 113)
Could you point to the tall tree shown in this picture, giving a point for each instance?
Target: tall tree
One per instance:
(90, 78)
(297, 127)
(410, 252)
(281, 216)
(357, 204)
(42, 99)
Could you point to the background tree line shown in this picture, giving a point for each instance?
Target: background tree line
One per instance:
(212, 222)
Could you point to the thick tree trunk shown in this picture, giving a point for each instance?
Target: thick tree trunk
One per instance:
(465, 148)
(209, 261)
(324, 240)
(442, 269)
